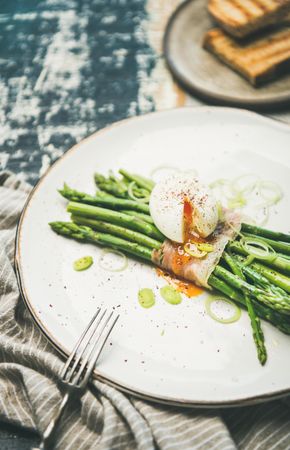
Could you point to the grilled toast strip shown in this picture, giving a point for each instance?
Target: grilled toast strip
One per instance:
(243, 17)
(258, 61)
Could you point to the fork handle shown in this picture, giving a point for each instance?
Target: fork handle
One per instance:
(49, 434)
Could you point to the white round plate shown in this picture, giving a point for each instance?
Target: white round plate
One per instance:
(175, 354)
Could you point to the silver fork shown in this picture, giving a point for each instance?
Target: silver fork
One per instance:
(75, 375)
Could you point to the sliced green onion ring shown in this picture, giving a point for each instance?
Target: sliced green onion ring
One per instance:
(205, 247)
(131, 194)
(234, 318)
(218, 183)
(237, 192)
(249, 187)
(192, 250)
(258, 249)
(270, 186)
(224, 186)
(266, 216)
(238, 201)
(107, 251)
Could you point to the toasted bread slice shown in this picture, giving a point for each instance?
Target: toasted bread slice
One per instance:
(243, 17)
(259, 60)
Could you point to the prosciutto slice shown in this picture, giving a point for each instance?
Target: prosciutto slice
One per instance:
(170, 256)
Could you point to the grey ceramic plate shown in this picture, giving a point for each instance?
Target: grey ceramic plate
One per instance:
(202, 74)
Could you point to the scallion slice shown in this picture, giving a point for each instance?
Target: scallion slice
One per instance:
(258, 249)
(205, 247)
(171, 295)
(106, 251)
(146, 298)
(192, 250)
(241, 190)
(83, 263)
(208, 307)
(270, 187)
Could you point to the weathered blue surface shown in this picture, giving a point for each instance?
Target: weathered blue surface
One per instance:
(68, 68)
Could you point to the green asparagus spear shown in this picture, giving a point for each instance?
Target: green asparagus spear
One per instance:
(275, 277)
(284, 256)
(236, 281)
(116, 230)
(258, 334)
(263, 232)
(281, 304)
(266, 277)
(279, 263)
(141, 216)
(260, 280)
(139, 180)
(74, 195)
(115, 217)
(111, 185)
(119, 203)
(86, 234)
(119, 187)
(107, 202)
(235, 268)
(104, 194)
(282, 247)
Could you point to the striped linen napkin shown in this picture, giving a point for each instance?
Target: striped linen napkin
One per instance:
(105, 418)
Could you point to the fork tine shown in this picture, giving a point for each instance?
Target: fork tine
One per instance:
(87, 357)
(98, 351)
(77, 345)
(90, 360)
(91, 333)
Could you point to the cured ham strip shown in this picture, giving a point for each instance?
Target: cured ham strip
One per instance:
(171, 256)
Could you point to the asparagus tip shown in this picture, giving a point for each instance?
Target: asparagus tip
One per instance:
(55, 226)
(64, 189)
(262, 355)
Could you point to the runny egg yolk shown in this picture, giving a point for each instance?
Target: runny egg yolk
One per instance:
(187, 220)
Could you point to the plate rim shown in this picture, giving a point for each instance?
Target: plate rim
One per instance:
(58, 346)
(279, 100)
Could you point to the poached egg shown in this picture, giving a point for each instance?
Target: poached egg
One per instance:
(183, 208)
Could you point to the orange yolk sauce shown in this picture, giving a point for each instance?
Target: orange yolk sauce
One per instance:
(180, 258)
(189, 289)
(187, 219)
(189, 231)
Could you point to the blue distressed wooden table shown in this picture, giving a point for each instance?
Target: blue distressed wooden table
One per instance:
(67, 69)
